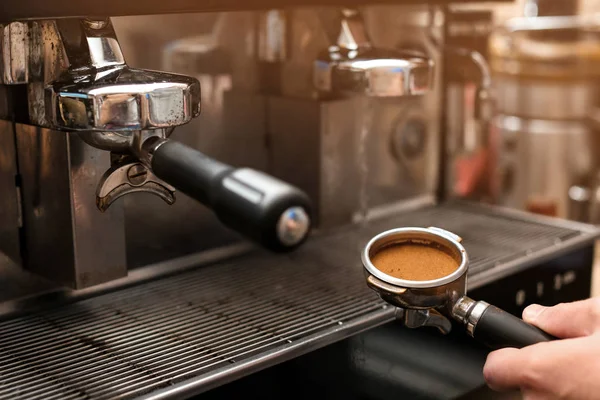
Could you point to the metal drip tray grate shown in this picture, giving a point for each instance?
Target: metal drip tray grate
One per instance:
(187, 333)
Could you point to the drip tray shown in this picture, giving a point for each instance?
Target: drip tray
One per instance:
(187, 333)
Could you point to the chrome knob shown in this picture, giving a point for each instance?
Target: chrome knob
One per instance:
(123, 99)
(293, 226)
(377, 73)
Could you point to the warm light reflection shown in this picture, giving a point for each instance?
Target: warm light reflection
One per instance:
(381, 63)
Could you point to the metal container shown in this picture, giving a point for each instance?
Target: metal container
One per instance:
(542, 162)
(428, 303)
(545, 73)
(418, 294)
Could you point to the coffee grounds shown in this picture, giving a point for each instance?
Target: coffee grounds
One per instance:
(414, 262)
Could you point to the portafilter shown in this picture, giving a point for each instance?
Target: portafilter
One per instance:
(435, 302)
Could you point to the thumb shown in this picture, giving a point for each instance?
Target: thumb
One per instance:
(566, 320)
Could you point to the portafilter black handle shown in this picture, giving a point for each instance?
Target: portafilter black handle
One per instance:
(261, 207)
(498, 329)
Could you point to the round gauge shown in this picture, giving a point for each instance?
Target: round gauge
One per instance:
(409, 138)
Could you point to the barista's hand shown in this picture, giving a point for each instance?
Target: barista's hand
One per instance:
(562, 369)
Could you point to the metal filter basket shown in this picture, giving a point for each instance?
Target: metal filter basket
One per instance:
(433, 302)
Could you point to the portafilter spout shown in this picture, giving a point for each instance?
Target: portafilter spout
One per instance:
(434, 302)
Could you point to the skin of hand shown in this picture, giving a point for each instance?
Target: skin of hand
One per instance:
(568, 368)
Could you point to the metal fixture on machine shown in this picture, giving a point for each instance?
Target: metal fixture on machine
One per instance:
(484, 101)
(354, 65)
(389, 91)
(80, 89)
(129, 344)
(429, 303)
(545, 89)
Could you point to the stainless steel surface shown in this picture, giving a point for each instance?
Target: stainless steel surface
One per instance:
(67, 239)
(325, 138)
(389, 145)
(461, 309)
(542, 160)
(470, 141)
(546, 89)
(426, 236)
(22, 283)
(525, 47)
(126, 99)
(440, 294)
(119, 142)
(186, 333)
(589, 201)
(426, 303)
(539, 8)
(14, 39)
(10, 218)
(273, 29)
(78, 81)
(354, 65)
(63, 8)
(28, 291)
(100, 93)
(468, 312)
(551, 100)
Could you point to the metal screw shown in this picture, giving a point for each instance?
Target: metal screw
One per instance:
(293, 226)
(137, 174)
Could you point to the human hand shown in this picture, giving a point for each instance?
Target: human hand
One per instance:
(562, 369)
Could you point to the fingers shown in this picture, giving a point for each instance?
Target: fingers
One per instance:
(557, 368)
(568, 320)
(501, 370)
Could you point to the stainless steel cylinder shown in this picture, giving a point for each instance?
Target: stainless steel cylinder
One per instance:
(440, 293)
(541, 160)
(545, 73)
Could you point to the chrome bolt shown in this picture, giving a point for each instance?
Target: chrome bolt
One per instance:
(293, 226)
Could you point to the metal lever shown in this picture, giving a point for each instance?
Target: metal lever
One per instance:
(420, 318)
(265, 209)
(87, 87)
(130, 176)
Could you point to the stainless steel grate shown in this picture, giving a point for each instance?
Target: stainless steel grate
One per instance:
(219, 322)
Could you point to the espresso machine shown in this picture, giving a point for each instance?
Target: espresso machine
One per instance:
(186, 187)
